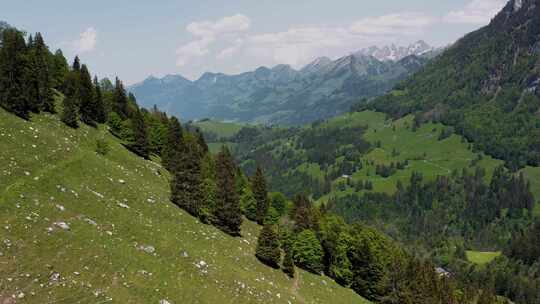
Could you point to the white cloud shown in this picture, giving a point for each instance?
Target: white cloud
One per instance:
(232, 24)
(87, 41)
(296, 46)
(196, 48)
(393, 24)
(207, 33)
(477, 12)
(215, 42)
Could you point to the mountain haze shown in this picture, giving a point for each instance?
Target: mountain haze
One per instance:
(282, 95)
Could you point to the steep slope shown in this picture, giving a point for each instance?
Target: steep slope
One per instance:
(280, 95)
(487, 85)
(78, 227)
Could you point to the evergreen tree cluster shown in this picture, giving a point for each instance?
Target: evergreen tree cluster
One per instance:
(204, 185)
(29, 73)
(356, 256)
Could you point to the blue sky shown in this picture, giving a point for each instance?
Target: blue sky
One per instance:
(135, 39)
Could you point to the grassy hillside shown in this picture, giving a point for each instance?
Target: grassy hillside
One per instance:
(392, 141)
(77, 227)
(422, 148)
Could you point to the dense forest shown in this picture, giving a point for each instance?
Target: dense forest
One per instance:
(486, 85)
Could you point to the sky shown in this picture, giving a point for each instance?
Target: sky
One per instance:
(138, 38)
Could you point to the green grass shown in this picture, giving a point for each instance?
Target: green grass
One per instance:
(422, 148)
(481, 258)
(50, 173)
(221, 129)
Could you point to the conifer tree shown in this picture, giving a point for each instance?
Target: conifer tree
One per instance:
(45, 85)
(140, 144)
(31, 81)
(173, 147)
(70, 108)
(302, 213)
(261, 195)
(248, 204)
(87, 106)
(59, 69)
(12, 73)
(120, 101)
(227, 215)
(76, 66)
(267, 250)
(100, 111)
(288, 263)
(186, 187)
(201, 141)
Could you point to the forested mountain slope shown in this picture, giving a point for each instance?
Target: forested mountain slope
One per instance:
(80, 227)
(487, 85)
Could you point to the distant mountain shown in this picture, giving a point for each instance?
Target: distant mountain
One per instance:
(278, 95)
(393, 52)
(487, 85)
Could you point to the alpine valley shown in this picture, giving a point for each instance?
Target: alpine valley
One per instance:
(394, 175)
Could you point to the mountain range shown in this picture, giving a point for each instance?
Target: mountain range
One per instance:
(283, 95)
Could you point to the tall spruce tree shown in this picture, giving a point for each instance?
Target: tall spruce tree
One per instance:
(87, 106)
(173, 147)
(120, 100)
(13, 65)
(267, 250)
(140, 145)
(227, 214)
(261, 195)
(45, 85)
(186, 186)
(100, 111)
(70, 107)
(303, 214)
(59, 69)
(288, 262)
(31, 81)
(76, 66)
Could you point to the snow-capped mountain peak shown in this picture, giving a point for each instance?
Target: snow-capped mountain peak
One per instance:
(395, 53)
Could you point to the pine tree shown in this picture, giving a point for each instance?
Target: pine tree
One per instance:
(227, 215)
(45, 85)
(173, 150)
(261, 195)
(31, 81)
(120, 100)
(288, 263)
(140, 144)
(87, 106)
(70, 104)
(13, 65)
(100, 111)
(302, 213)
(201, 141)
(76, 66)
(59, 69)
(186, 186)
(267, 250)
